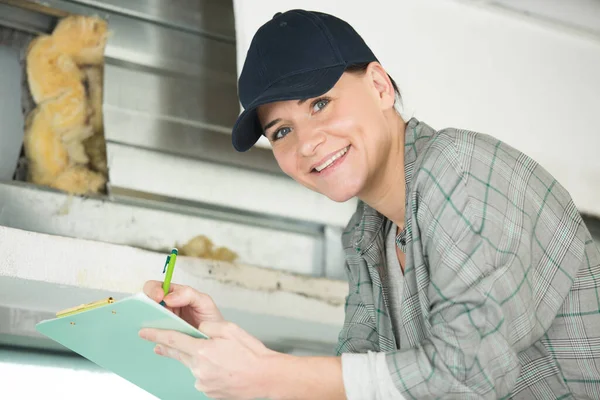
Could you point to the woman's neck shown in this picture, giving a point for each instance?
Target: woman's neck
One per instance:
(387, 190)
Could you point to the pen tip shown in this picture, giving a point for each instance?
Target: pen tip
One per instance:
(174, 251)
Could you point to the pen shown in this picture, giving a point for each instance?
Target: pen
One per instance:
(168, 269)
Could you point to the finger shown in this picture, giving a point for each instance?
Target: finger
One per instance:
(176, 340)
(200, 386)
(205, 388)
(154, 290)
(202, 303)
(167, 351)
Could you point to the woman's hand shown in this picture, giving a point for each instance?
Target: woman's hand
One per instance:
(189, 304)
(232, 364)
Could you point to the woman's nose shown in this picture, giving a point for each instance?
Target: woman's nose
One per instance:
(310, 141)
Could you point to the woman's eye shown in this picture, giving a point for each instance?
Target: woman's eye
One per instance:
(320, 104)
(280, 133)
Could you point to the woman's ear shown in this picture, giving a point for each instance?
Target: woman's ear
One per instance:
(382, 84)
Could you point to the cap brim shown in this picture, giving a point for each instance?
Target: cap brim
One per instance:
(247, 129)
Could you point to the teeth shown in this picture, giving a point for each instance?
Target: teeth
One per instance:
(331, 160)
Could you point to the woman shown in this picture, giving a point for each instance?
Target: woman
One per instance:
(471, 272)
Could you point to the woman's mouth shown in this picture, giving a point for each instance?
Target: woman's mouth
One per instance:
(332, 161)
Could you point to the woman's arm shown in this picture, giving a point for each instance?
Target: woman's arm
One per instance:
(234, 365)
(294, 378)
(273, 375)
(351, 376)
(220, 364)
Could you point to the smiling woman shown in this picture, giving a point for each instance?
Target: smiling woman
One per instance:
(325, 142)
(468, 263)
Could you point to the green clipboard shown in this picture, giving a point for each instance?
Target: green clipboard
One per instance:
(106, 333)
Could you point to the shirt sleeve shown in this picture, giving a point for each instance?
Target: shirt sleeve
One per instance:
(364, 368)
(358, 334)
(366, 377)
(468, 351)
(494, 281)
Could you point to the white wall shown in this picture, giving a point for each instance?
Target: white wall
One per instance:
(533, 85)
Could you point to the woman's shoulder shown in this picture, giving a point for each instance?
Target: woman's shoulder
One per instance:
(484, 170)
(476, 158)
(465, 148)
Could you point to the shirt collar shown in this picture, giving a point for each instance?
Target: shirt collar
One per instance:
(368, 222)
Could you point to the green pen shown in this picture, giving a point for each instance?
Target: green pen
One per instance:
(169, 267)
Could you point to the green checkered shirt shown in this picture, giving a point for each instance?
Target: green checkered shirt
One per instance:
(501, 277)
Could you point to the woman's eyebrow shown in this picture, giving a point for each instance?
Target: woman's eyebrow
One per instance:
(270, 124)
(278, 120)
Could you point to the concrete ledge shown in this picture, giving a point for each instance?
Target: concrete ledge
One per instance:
(46, 273)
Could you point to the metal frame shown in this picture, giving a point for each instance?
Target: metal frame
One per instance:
(170, 77)
(160, 98)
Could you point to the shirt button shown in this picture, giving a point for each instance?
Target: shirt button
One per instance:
(403, 242)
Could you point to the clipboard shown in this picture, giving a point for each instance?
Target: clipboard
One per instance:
(106, 333)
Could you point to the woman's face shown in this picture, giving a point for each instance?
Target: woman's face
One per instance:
(334, 144)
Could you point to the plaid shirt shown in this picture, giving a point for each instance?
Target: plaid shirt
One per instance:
(501, 277)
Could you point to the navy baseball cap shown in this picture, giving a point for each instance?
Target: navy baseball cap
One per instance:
(296, 55)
